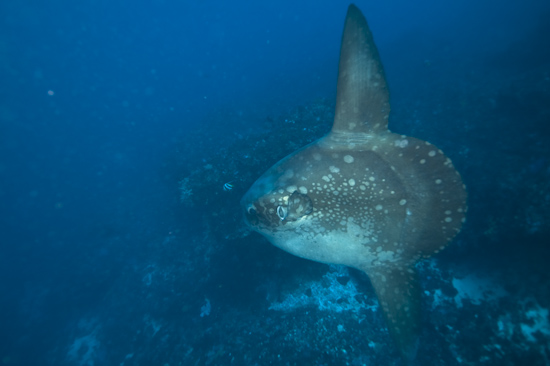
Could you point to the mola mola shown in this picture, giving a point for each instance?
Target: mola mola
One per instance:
(363, 196)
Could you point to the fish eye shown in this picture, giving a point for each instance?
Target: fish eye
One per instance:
(282, 212)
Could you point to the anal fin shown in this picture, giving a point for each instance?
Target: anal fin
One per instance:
(399, 294)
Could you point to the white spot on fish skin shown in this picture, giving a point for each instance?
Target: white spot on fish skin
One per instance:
(401, 143)
(289, 173)
(362, 187)
(348, 159)
(438, 181)
(303, 190)
(448, 219)
(325, 178)
(351, 182)
(402, 202)
(422, 161)
(291, 189)
(378, 207)
(371, 179)
(334, 169)
(335, 193)
(432, 153)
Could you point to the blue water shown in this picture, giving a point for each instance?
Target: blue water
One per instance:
(120, 123)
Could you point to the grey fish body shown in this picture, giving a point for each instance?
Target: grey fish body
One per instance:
(363, 196)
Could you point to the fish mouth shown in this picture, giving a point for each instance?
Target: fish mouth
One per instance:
(249, 212)
(251, 216)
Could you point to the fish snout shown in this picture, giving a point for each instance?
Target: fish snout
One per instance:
(250, 213)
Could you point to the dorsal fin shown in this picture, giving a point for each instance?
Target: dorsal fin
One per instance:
(362, 101)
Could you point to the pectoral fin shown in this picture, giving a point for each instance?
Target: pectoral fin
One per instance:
(399, 295)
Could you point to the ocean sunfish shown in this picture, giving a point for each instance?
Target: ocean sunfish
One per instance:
(363, 196)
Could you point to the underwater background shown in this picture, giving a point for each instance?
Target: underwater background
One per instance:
(121, 122)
